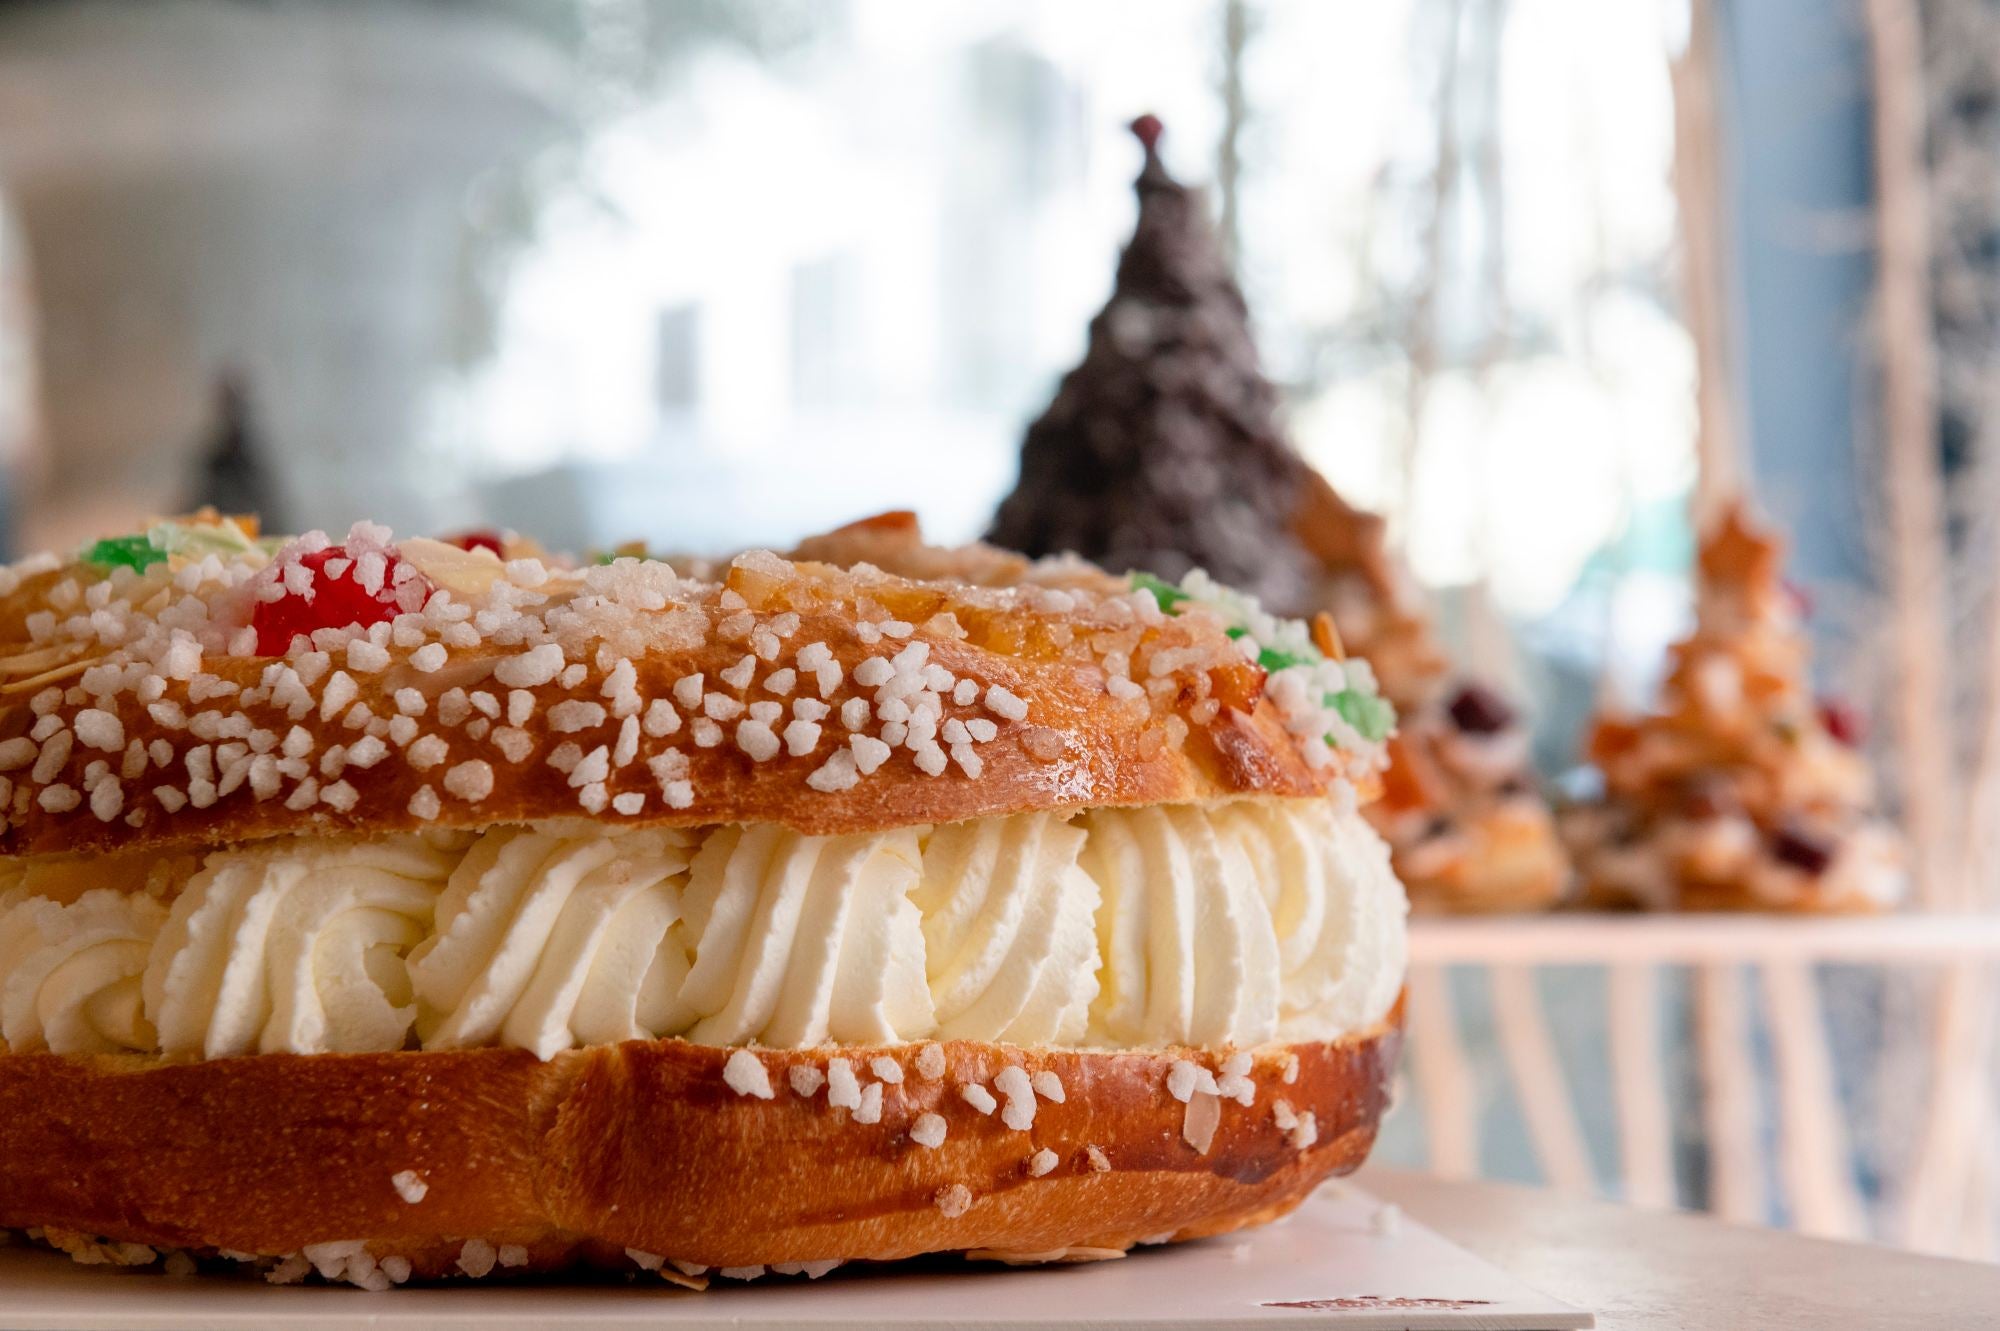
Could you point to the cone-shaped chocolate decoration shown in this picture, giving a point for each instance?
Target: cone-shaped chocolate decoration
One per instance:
(1739, 792)
(1161, 451)
(233, 478)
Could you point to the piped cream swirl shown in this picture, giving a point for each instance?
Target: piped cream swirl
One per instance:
(295, 947)
(1336, 908)
(1256, 920)
(798, 940)
(1009, 940)
(1190, 955)
(71, 972)
(1215, 925)
(553, 937)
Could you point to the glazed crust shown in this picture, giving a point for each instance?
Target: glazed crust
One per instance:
(645, 1146)
(1208, 733)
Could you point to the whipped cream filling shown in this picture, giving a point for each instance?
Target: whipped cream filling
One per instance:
(1226, 924)
(1336, 907)
(799, 940)
(1190, 952)
(69, 974)
(1244, 922)
(552, 937)
(1009, 933)
(294, 947)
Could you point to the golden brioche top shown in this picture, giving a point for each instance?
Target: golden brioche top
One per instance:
(196, 684)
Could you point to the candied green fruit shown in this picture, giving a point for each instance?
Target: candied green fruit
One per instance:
(1370, 715)
(134, 552)
(1163, 591)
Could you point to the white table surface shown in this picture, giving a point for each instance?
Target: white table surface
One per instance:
(1637, 1270)
(1673, 1271)
(1340, 1263)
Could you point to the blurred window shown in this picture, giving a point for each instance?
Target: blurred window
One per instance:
(677, 387)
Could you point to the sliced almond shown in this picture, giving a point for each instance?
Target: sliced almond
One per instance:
(38, 659)
(466, 574)
(1326, 637)
(48, 677)
(1077, 1252)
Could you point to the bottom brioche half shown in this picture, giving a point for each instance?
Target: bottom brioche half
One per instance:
(432, 1162)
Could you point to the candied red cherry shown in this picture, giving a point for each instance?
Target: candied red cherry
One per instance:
(336, 602)
(1803, 849)
(1844, 721)
(1478, 710)
(483, 539)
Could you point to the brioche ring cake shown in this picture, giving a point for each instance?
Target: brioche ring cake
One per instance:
(391, 911)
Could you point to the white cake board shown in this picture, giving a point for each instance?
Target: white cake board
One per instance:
(1325, 1267)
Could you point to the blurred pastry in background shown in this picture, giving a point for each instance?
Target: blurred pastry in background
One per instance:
(1162, 453)
(1740, 791)
(1461, 808)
